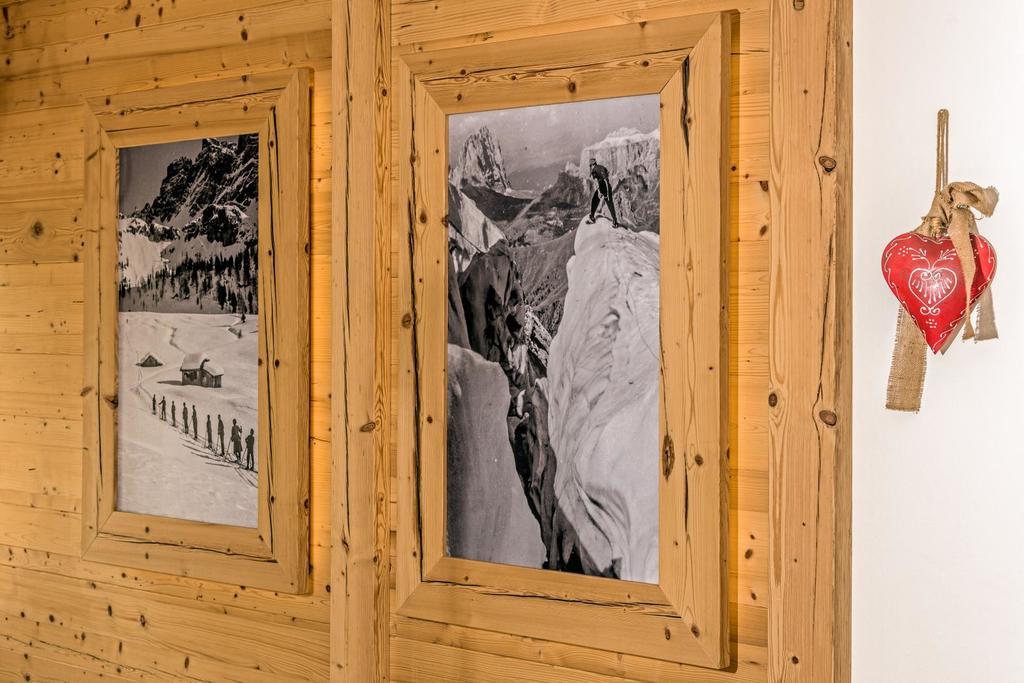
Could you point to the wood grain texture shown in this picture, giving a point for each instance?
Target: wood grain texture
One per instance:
(695, 121)
(157, 626)
(423, 650)
(361, 346)
(810, 356)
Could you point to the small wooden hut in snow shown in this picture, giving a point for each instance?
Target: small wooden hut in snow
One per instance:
(197, 370)
(150, 361)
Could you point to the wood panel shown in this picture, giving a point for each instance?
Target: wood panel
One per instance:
(361, 349)
(810, 378)
(110, 622)
(748, 256)
(772, 85)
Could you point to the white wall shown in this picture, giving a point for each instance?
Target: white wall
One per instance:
(938, 522)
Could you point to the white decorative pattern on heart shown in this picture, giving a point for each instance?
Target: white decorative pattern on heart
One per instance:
(931, 286)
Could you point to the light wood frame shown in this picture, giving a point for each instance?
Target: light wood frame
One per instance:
(684, 617)
(275, 554)
(807, 405)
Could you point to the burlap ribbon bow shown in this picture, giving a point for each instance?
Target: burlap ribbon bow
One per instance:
(952, 214)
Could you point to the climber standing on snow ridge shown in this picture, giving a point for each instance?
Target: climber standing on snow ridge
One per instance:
(602, 191)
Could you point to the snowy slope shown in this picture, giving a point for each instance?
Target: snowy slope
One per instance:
(160, 471)
(488, 517)
(139, 257)
(603, 376)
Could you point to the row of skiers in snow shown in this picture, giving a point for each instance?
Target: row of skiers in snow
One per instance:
(235, 439)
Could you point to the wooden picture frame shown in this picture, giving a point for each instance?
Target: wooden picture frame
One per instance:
(684, 617)
(275, 554)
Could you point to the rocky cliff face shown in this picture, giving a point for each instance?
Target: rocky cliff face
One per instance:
(499, 326)
(470, 232)
(544, 280)
(488, 518)
(602, 389)
(626, 152)
(480, 163)
(224, 174)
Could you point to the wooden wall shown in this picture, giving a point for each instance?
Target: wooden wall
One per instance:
(61, 618)
(420, 650)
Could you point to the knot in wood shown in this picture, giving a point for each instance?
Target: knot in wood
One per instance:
(828, 417)
(827, 163)
(798, 5)
(773, 399)
(668, 456)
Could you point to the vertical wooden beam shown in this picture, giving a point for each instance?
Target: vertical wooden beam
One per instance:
(810, 393)
(360, 265)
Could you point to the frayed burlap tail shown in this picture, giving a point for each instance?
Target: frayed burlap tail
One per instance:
(909, 364)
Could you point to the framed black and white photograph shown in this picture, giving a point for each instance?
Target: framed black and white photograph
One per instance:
(197, 318)
(188, 324)
(560, 205)
(554, 271)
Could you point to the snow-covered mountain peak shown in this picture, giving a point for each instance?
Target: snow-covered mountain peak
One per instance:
(224, 172)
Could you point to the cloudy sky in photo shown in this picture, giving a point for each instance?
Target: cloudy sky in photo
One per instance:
(533, 137)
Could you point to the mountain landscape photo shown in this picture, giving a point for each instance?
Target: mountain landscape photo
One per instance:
(188, 330)
(553, 337)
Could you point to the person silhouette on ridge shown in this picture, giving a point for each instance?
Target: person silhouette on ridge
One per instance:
(603, 191)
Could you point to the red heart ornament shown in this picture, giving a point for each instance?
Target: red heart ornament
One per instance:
(925, 275)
